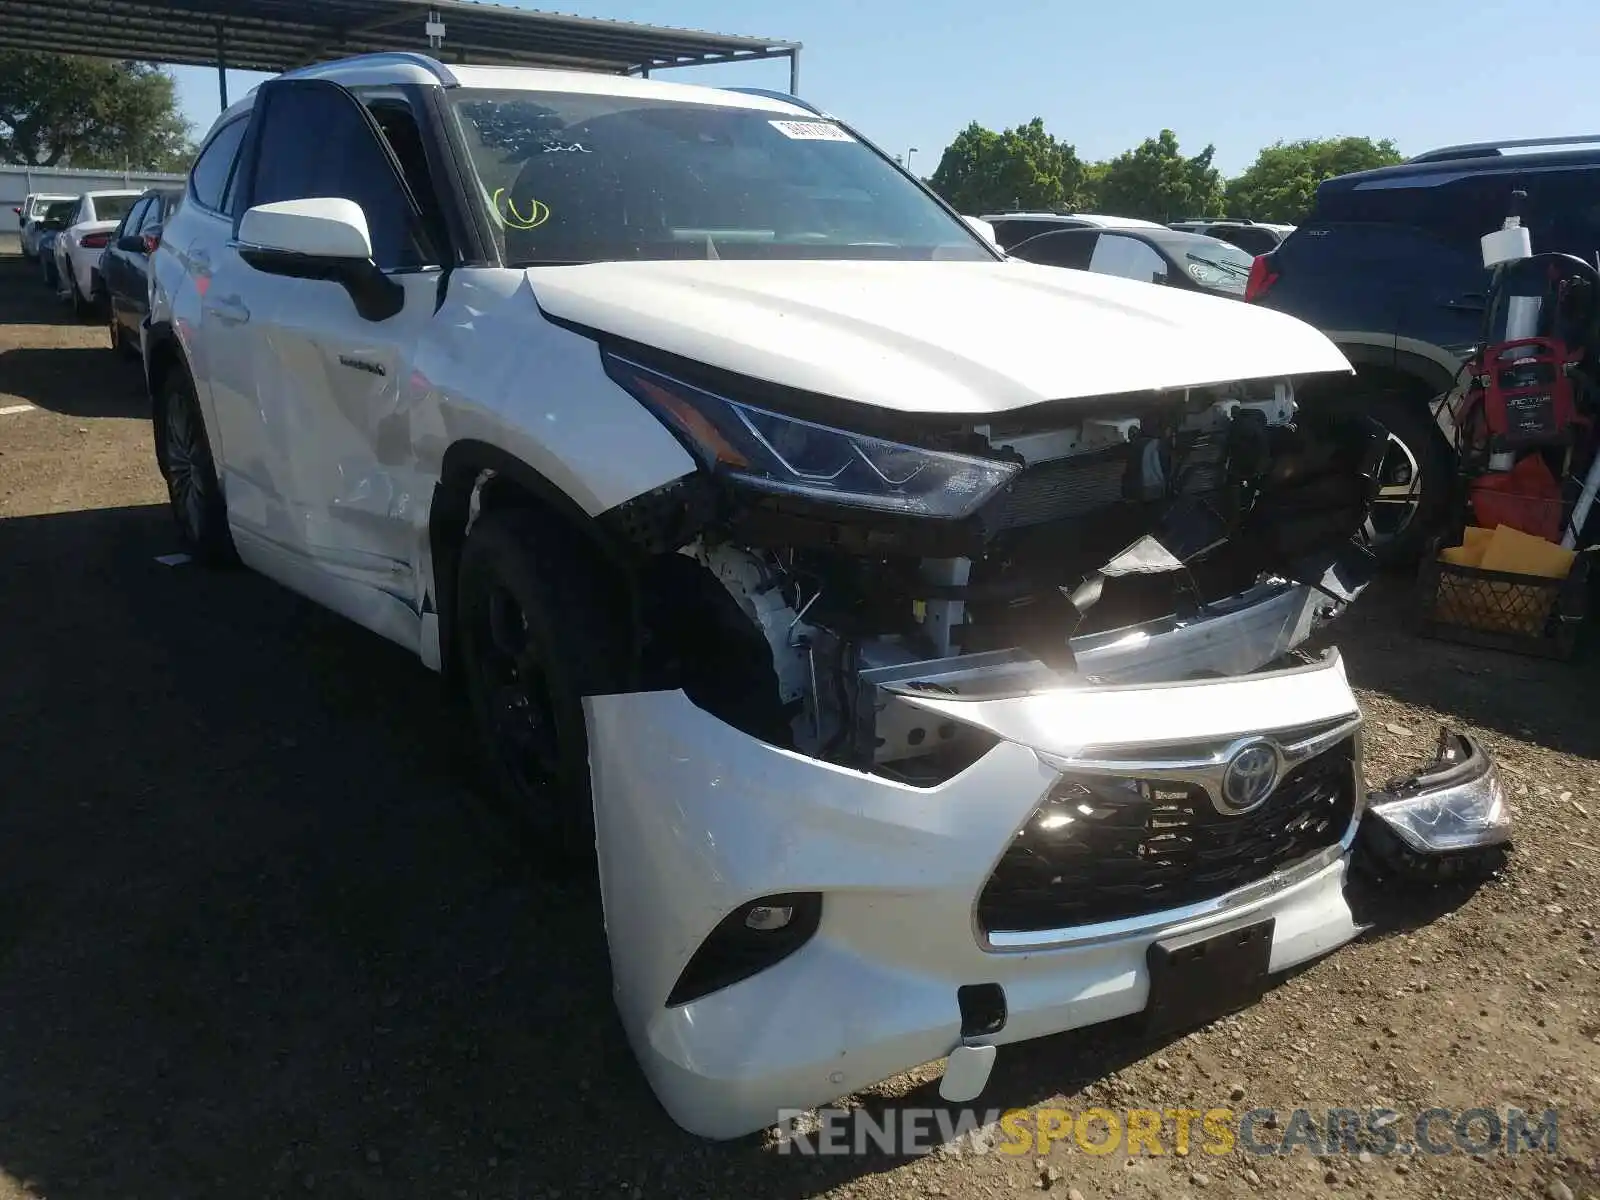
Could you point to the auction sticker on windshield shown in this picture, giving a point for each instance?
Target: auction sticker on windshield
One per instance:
(811, 131)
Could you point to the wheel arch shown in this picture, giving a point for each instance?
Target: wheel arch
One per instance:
(499, 479)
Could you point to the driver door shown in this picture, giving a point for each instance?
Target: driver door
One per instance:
(313, 400)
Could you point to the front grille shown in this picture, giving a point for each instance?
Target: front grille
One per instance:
(1055, 491)
(1103, 849)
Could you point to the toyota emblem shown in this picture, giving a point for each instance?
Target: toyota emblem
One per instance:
(1251, 775)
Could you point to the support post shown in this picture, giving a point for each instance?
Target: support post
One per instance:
(794, 72)
(222, 67)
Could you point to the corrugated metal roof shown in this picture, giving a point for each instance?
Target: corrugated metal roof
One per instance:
(276, 35)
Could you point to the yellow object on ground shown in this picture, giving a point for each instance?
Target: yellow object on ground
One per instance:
(1523, 554)
(1502, 606)
(1474, 542)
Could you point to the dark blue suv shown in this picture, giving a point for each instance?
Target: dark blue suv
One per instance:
(1388, 265)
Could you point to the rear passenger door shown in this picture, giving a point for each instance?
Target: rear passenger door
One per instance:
(312, 398)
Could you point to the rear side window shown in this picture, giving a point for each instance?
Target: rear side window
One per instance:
(1009, 233)
(1063, 248)
(1130, 258)
(1252, 241)
(1564, 211)
(210, 174)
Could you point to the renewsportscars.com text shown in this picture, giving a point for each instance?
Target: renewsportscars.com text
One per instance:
(1181, 1131)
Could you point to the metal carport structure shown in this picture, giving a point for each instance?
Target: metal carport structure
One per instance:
(277, 35)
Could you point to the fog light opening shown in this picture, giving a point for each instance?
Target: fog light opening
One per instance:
(753, 937)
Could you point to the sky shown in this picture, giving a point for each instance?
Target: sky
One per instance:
(1104, 76)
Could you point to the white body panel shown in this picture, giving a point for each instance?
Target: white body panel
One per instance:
(873, 993)
(930, 337)
(76, 263)
(330, 433)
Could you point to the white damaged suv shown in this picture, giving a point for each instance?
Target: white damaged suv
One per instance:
(909, 633)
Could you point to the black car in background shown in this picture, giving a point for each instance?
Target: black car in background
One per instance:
(124, 281)
(1253, 237)
(1156, 255)
(1389, 266)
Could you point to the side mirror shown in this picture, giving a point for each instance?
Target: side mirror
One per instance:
(322, 238)
(983, 229)
(130, 243)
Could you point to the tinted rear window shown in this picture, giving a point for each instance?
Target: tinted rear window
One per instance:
(113, 208)
(1457, 209)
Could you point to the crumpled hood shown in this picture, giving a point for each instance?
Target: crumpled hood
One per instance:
(934, 337)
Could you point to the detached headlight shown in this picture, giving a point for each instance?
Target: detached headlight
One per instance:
(782, 454)
(1455, 803)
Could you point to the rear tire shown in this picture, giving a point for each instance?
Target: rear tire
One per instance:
(82, 306)
(119, 336)
(536, 630)
(1408, 512)
(193, 491)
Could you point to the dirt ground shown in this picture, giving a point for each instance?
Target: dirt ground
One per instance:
(252, 945)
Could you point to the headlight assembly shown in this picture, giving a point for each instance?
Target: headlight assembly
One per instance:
(786, 455)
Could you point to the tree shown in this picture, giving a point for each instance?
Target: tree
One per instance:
(1281, 183)
(1155, 181)
(982, 170)
(61, 110)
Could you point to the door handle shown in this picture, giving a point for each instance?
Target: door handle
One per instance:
(230, 310)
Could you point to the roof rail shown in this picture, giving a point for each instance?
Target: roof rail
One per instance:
(433, 66)
(774, 94)
(1492, 149)
(1213, 221)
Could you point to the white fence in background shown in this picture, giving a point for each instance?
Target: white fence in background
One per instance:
(17, 182)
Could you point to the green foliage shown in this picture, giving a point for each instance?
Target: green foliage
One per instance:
(63, 110)
(1280, 184)
(1155, 181)
(982, 170)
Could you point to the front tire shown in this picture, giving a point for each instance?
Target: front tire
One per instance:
(193, 491)
(536, 631)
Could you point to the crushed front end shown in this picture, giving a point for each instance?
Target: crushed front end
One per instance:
(921, 768)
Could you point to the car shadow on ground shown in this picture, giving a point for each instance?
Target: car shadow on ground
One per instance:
(253, 941)
(1536, 700)
(76, 381)
(25, 298)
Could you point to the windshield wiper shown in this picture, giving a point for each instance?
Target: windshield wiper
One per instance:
(1231, 268)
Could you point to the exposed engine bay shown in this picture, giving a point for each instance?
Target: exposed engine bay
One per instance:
(807, 625)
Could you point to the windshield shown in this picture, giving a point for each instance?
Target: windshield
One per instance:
(112, 208)
(1215, 264)
(574, 177)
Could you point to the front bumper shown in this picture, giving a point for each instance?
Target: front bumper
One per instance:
(695, 819)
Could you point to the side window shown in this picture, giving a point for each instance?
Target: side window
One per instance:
(131, 222)
(209, 175)
(151, 217)
(1564, 211)
(1251, 241)
(346, 159)
(1117, 254)
(1071, 248)
(1010, 233)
